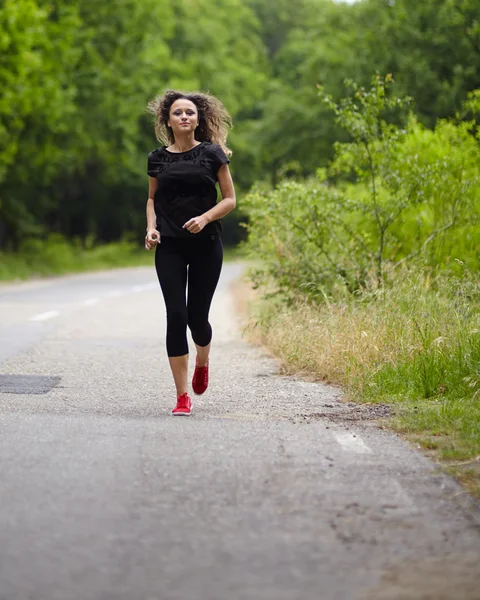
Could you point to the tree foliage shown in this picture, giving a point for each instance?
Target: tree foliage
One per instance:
(75, 77)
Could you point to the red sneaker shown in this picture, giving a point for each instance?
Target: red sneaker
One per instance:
(184, 406)
(200, 380)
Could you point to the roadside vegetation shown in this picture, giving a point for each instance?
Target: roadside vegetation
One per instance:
(368, 273)
(56, 256)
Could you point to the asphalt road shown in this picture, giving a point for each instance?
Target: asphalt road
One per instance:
(269, 492)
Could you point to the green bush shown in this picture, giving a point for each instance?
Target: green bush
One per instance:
(392, 195)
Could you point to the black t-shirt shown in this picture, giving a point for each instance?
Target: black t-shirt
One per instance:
(186, 187)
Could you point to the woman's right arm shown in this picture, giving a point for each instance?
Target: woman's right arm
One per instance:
(153, 236)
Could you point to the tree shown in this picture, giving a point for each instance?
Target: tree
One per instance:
(431, 47)
(36, 104)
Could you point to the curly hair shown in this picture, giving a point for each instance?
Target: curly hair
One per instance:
(214, 120)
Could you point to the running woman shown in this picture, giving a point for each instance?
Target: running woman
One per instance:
(183, 223)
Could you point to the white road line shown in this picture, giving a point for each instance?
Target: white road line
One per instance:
(91, 302)
(115, 294)
(351, 441)
(45, 316)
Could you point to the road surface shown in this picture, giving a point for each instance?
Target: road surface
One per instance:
(269, 492)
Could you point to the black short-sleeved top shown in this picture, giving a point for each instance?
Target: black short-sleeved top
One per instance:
(186, 187)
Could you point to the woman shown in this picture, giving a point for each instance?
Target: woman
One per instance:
(183, 223)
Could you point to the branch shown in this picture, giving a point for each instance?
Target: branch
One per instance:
(374, 187)
(429, 239)
(353, 234)
(392, 218)
(316, 242)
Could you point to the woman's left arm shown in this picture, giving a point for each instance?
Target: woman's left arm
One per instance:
(226, 204)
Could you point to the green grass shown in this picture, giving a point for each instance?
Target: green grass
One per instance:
(64, 259)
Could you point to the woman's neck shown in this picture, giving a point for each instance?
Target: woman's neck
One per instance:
(182, 144)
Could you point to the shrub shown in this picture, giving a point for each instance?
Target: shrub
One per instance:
(391, 195)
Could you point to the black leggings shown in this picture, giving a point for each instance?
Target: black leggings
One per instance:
(198, 261)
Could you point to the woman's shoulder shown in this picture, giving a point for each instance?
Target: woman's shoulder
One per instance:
(155, 162)
(217, 155)
(211, 146)
(155, 153)
(216, 151)
(158, 157)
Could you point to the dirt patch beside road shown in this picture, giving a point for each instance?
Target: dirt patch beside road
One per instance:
(451, 577)
(348, 412)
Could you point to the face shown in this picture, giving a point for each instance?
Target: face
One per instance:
(183, 116)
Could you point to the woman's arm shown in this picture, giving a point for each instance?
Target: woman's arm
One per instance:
(151, 216)
(226, 204)
(153, 237)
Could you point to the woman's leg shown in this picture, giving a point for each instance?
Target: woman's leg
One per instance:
(179, 367)
(171, 266)
(203, 275)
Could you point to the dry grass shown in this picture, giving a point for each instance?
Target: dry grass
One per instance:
(337, 344)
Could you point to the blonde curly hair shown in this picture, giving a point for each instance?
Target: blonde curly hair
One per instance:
(214, 120)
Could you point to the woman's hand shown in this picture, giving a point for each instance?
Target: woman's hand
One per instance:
(152, 238)
(196, 224)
